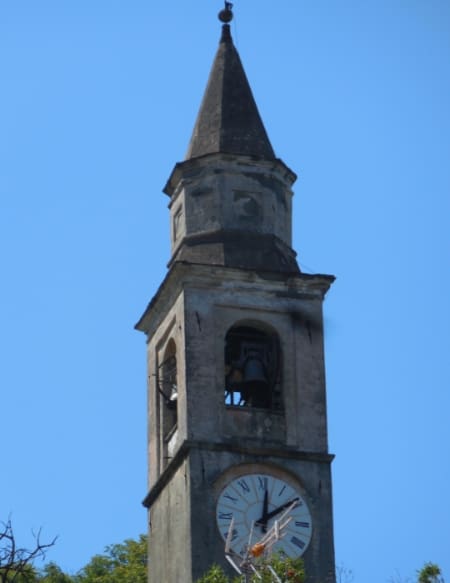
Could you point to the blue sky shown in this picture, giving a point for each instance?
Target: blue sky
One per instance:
(97, 104)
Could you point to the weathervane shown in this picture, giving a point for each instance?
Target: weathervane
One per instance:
(226, 15)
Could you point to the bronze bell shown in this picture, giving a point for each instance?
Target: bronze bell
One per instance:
(254, 371)
(255, 385)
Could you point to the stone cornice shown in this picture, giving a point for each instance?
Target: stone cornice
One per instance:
(282, 452)
(181, 274)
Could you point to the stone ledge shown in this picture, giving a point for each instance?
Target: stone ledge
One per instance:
(232, 447)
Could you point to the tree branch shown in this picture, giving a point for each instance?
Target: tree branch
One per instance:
(17, 562)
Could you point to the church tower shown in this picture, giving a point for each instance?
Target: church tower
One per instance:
(236, 378)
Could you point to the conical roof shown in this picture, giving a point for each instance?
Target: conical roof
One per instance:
(228, 120)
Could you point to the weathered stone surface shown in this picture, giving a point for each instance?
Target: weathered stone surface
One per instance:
(232, 268)
(228, 120)
(233, 211)
(196, 307)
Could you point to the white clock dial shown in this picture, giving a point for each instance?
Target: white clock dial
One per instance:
(261, 499)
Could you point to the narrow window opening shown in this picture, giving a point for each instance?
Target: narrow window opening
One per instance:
(177, 223)
(168, 389)
(252, 358)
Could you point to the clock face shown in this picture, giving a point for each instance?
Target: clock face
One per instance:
(260, 500)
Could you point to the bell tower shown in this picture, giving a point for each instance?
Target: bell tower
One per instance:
(236, 377)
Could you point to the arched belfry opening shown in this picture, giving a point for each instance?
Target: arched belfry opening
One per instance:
(168, 390)
(252, 367)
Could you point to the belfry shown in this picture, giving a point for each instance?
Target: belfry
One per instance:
(236, 377)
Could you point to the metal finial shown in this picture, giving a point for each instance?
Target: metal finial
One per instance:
(226, 15)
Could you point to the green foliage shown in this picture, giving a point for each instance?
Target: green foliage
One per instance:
(25, 574)
(215, 575)
(51, 573)
(16, 562)
(127, 563)
(289, 570)
(122, 563)
(430, 573)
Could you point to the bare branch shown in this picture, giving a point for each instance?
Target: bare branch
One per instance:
(343, 574)
(397, 578)
(16, 563)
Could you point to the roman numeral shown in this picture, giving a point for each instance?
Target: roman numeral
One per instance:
(230, 498)
(302, 524)
(234, 534)
(225, 515)
(262, 483)
(299, 543)
(243, 484)
(282, 490)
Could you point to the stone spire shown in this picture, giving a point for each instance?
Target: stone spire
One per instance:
(231, 198)
(228, 121)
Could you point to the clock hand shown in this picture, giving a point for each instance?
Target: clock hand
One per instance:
(262, 522)
(272, 513)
